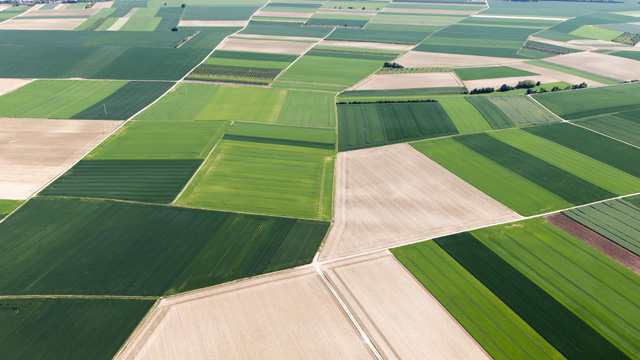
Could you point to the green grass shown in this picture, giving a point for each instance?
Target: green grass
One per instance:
(114, 248)
(514, 191)
(56, 99)
(576, 275)
(491, 72)
(7, 206)
(330, 70)
(496, 327)
(154, 181)
(618, 126)
(465, 116)
(161, 140)
(215, 102)
(67, 328)
(125, 101)
(602, 175)
(367, 125)
(266, 177)
(617, 220)
(572, 105)
(309, 135)
(593, 32)
(496, 118)
(572, 71)
(523, 111)
(596, 146)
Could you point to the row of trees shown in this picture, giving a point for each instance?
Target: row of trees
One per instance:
(526, 84)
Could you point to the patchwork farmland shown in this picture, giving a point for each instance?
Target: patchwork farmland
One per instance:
(295, 179)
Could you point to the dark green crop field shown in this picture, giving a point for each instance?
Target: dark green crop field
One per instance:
(367, 125)
(67, 328)
(494, 116)
(77, 246)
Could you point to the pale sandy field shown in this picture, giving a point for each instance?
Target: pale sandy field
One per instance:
(275, 37)
(42, 24)
(427, 59)
(287, 315)
(8, 85)
(366, 45)
(408, 81)
(558, 43)
(62, 12)
(283, 14)
(550, 74)
(391, 195)
(511, 81)
(213, 23)
(102, 5)
(400, 316)
(267, 46)
(601, 64)
(428, 11)
(4, 7)
(121, 21)
(34, 151)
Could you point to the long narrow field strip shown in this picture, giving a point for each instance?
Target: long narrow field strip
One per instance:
(624, 126)
(67, 328)
(35, 151)
(254, 318)
(192, 101)
(573, 105)
(403, 319)
(324, 138)
(574, 72)
(546, 277)
(265, 176)
(143, 249)
(390, 195)
(617, 220)
(367, 125)
(386, 35)
(609, 66)
(409, 81)
(490, 72)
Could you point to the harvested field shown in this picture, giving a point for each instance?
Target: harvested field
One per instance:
(42, 24)
(286, 14)
(62, 13)
(266, 46)
(394, 194)
(429, 59)
(252, 319)
(102, 5)
(8, 85)
(34, 151)
(428, 11)
(213, 23)
(276, 37)
(600, 64)
(556, 74)
(402, 318)
(596, 241)
(408, 81)
(366, 45)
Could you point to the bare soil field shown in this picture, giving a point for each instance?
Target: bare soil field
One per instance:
(283, 14)
(34, 151)
(427, 59)
(554, 75)
(408, 81)
(213, 23)
(428, 11)
(596, 241)
(102, 5)
(392, 195)
(328, 11)
(600, 64)
(266, 46)
(4, 7)
(42, 24)
(275, 37)
(366, 45)
(403, 320)
(63, 12)
(8, 85)
(558, 43)
(286, 315)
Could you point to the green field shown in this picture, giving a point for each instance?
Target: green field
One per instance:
(617, 220)
(573, 105)
(250, 59)
(356, 20)
(398, 94)
(356, 5)
(219, 12)
(215, 102)
(161, 140)
(367, 125)
(577, 28)
(522, 111)
(284, 29)
(67, 328)
(465, 116)
(415, 19)
(491, 72)
(593, 32)
(624, 126)
(386, 36)
(7, 206)
(547, 280)
(496, 118)
(113, 248)
(320, 137)
(332, 68)
(265, 176)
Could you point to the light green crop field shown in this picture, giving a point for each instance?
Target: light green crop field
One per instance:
(161, 140)
(284, 132)
(464, 115)
(55, 99)
(264, 177)
(593, 32)
(7, 206)
(194, 101)
(512, 190)
(522, 110)
(141, 24)
(330, 70)
(247, 63)
(491, 72)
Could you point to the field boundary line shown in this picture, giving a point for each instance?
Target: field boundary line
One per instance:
(335, 294)
(138, 328)
(300, 56)
(201, 165)
(546, 108)
(87, 297)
